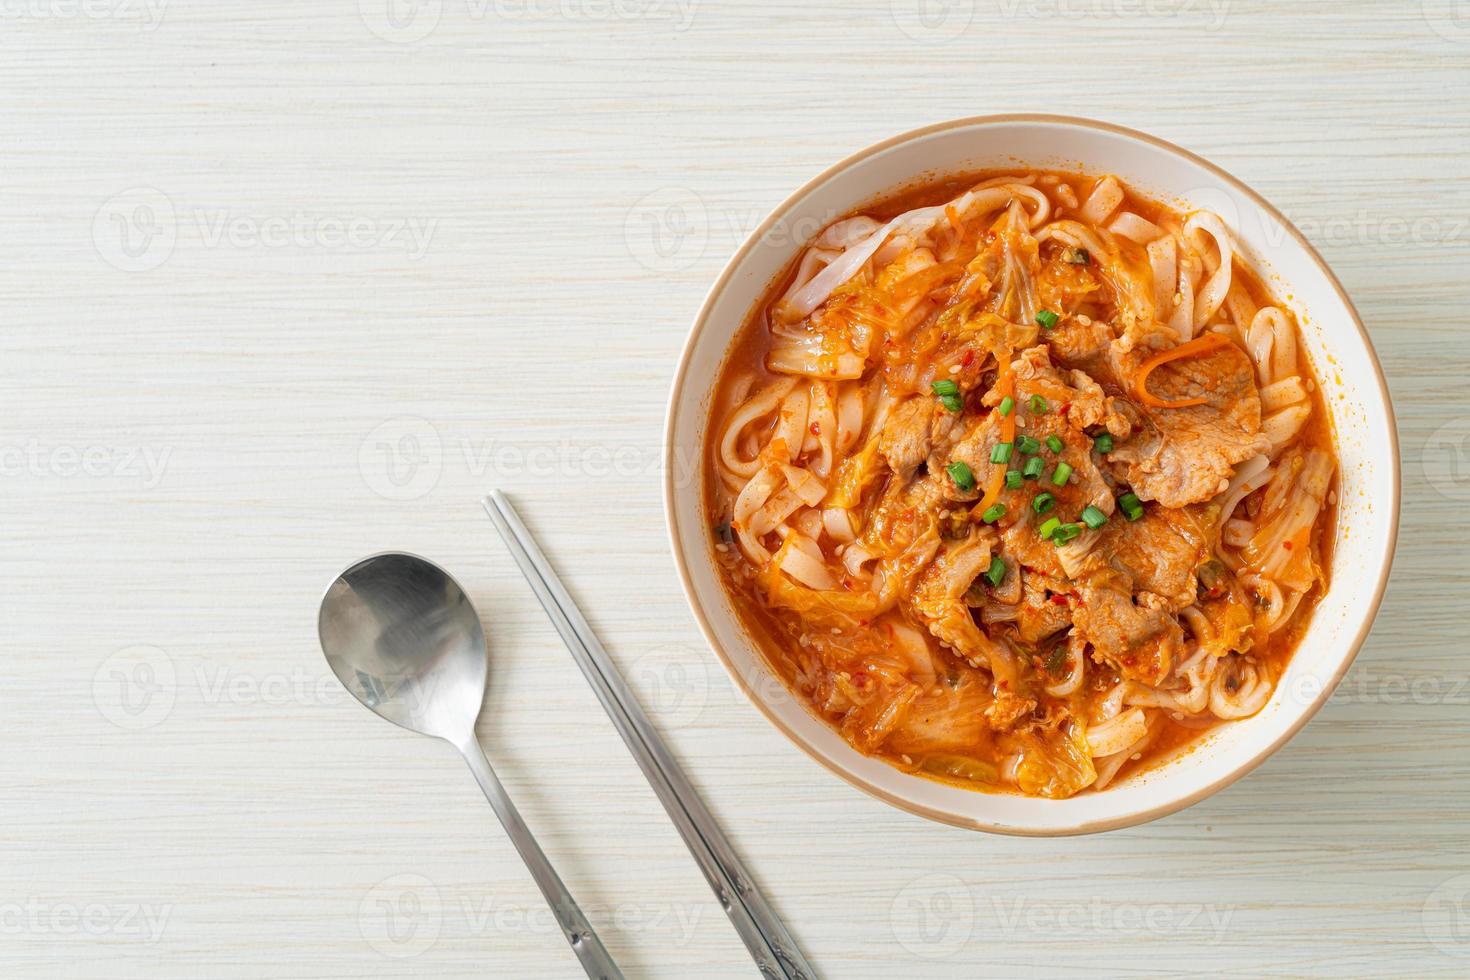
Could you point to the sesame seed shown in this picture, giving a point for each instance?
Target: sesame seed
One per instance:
(954, 369)
(1085, 320)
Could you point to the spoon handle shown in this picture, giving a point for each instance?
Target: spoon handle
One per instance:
(574, 925)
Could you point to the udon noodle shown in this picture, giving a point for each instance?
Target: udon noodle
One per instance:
(1022, 481)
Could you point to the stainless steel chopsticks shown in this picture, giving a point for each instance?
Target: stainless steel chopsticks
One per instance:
(774, 950)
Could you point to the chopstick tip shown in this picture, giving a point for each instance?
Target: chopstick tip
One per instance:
(496, 503)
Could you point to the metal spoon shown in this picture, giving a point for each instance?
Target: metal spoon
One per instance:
(402, 636)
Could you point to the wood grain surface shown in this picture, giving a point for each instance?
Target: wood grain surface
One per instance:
(284, 284)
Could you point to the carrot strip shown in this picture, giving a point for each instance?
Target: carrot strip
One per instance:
(1005, 383)
(1199, 345)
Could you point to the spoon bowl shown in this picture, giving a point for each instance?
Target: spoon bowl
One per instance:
(403, 637)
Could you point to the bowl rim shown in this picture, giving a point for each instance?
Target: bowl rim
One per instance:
(671, 521)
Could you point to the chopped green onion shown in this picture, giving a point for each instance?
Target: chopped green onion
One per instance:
(1038, 405)
(1047, 319)
(1055, 444)
(1042, 502)
(1000, 453)
(1132, 506)
(994, 513)
(1033, 468)
(960, 472)
(1103, 443)
(1061, 474)
(1093, 517)
(1007, 405)
(1028, 445)
(1048, 528)
(1065, 533)
(1077, 256)
(1013, 479)
(953, 403)
(724, 533)
(945, 387)
(996, 572)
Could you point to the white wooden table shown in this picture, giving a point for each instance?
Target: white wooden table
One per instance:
(283, 284)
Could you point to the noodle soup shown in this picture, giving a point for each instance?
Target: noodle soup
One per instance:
(1021, 481)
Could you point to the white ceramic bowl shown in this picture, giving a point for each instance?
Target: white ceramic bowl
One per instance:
(1356, 396)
